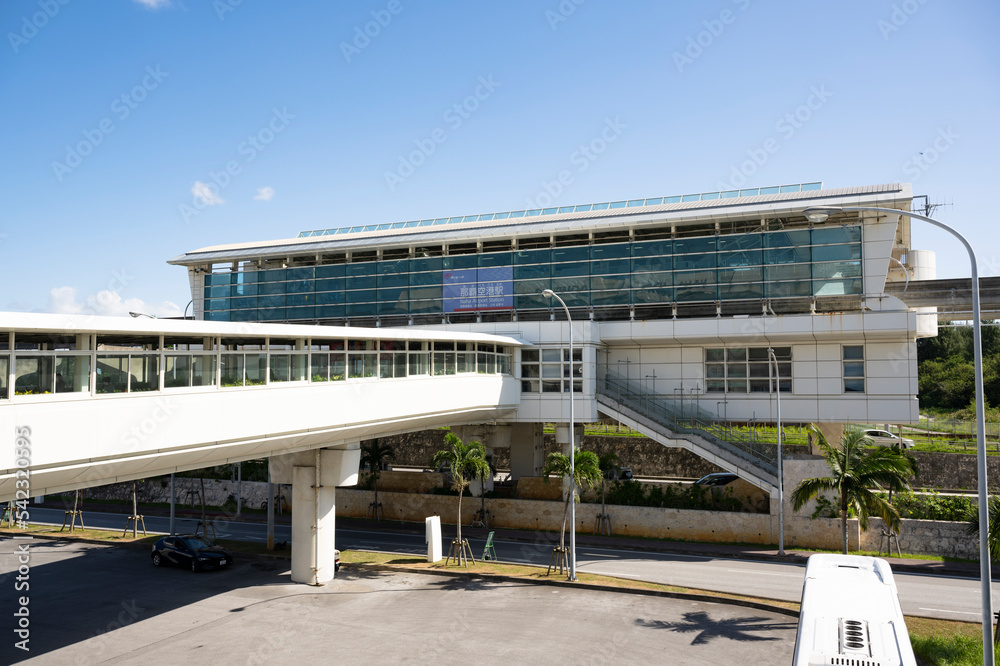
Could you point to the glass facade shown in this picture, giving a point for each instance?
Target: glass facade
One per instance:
(795, 263)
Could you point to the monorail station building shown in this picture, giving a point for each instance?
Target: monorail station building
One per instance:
(687, 311)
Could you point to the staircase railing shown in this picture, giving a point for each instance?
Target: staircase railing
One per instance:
(691, 420)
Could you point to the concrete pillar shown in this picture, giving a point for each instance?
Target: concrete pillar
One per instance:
(832, 431)
(314, 476)
(491, 436)
(527, 450)
(313, 522)
(82, 371)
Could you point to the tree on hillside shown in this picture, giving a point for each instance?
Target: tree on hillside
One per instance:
(375, 455)
(855, 470)
(945, 369)
(467, 462)
(587, 473)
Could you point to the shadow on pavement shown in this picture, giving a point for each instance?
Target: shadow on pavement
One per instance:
(707, 629)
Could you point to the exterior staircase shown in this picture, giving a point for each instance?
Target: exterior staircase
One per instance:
(687, 426)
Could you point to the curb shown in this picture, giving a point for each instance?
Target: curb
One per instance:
(709, 598)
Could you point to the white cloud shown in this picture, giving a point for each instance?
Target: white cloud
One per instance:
(206, 194)
(63, 300)
(153, 4)
(264, 193)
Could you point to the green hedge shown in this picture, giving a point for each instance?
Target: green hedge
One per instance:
(932, 506)
(671, 496)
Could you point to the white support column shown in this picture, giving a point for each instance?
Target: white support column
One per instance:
(314, 509)
(527, 450)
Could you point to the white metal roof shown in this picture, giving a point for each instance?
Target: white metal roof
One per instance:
(65, 324)
(690, 212)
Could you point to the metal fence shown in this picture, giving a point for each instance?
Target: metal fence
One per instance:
(688, 419)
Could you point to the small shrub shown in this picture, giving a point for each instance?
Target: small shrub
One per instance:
(932, 506)
(825, 508)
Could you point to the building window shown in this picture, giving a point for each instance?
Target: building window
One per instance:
(854, 369)
(747, 370)
(549, 371)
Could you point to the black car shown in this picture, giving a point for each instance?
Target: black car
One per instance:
(191, 551)
(716, 479)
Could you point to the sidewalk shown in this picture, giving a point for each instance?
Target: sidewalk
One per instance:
(709, 550)
(583, 538)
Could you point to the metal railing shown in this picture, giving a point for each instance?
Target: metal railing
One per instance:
(687, 421)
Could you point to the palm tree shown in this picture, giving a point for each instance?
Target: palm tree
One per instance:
(857, 469)
(587, 473)
(993, 533)
(481, 515)
(376, 455)
(467, 462)
(608, 462)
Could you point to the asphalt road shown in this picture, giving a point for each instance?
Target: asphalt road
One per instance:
(94, 603)
(944, 597)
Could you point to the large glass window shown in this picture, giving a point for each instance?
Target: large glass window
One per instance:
(361, 358)
(444, 358)
(550, 370)
(33, 375)
(747, 370)
(419, 358)
(854, 368)
(392, 359)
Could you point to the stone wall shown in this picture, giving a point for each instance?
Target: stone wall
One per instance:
(956, 471)
(187, 492)
(535, 488)
(645, 456)
(649, 458)
(409, 482)
(934, 537)
(917, 536)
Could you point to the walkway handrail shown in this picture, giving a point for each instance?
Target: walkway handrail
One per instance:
(687, 420)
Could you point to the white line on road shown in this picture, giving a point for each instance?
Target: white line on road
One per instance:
(763, 573)
(942, 610)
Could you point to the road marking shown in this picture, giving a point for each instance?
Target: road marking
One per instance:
(763, 573)
(942, 610)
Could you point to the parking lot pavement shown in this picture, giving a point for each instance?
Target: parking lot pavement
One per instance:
(92, 603)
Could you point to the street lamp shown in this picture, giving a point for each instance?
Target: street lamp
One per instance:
(572, 444)
(136, 315)
(820, 214)
(781, 489)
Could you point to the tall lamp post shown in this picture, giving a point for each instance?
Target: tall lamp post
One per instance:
(572, 443)
(781, 488)
(820, 214)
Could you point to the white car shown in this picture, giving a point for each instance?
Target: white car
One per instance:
(886, 438)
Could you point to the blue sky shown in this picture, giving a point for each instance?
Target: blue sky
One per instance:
(122, 118)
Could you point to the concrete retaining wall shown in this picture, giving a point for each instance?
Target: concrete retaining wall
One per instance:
(934, 537)
(187, 492)
(648, 458)
(408, 482)
(954, 471)
(918, 536)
